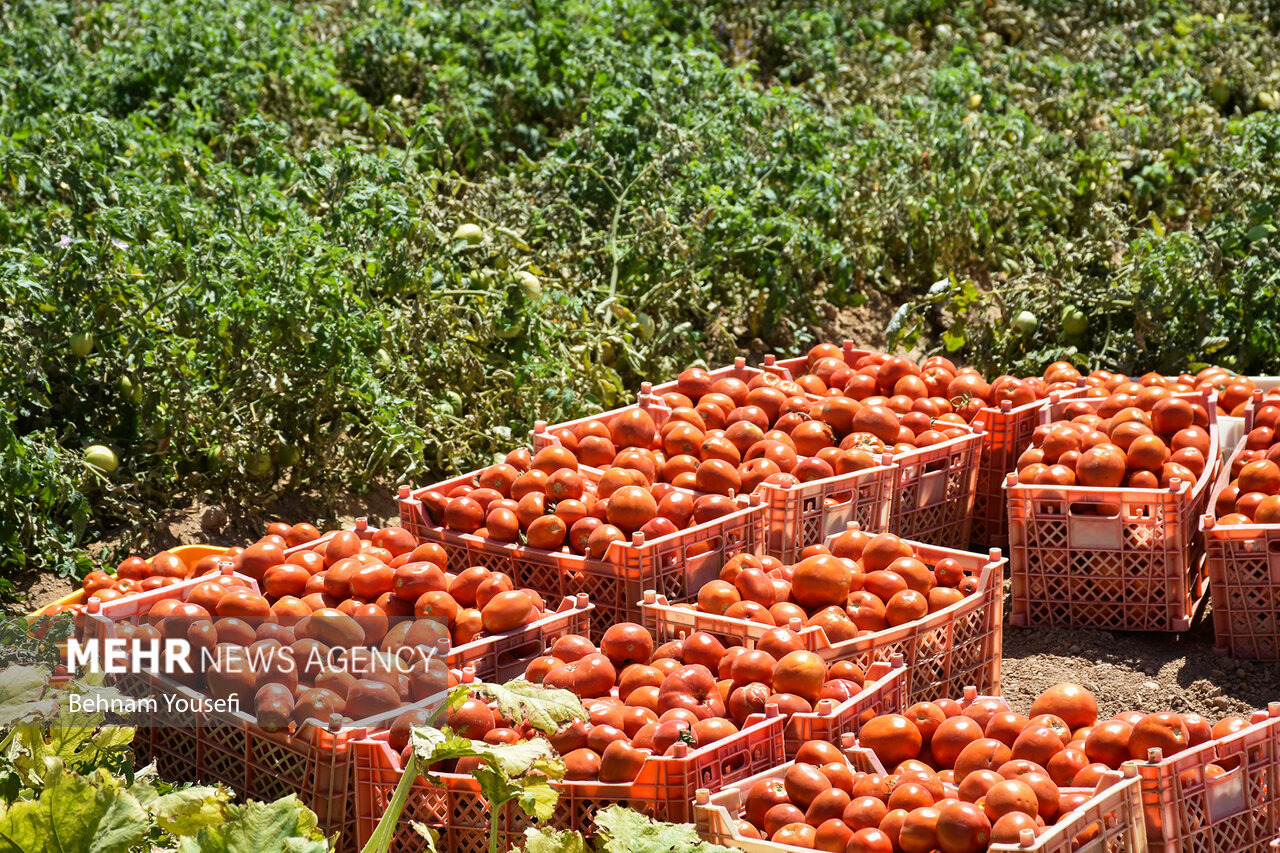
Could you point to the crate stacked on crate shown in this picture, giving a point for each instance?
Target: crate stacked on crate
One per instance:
(451, 803)
(1222, 796)
(1243, 547)
(677, 563)
(1122, 557)
(943, 651)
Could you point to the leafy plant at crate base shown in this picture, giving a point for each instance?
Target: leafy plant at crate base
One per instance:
(67, 784)
(521, 772)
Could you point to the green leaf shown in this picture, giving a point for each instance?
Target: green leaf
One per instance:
(285, 826)
(24, 695)
(542, 840)
(514, 759)
(1259, 232)
(183, 812)
(544, 708)
(74, 814)
(625, 831)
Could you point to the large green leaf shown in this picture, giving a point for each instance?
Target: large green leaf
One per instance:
(622, 830)
(285, 826)
(24, 695)
(544, 840)
(74, 814)
(185, 811)
(544, 708)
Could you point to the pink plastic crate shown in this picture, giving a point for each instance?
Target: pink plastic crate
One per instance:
(1112, 817)
(1118, 559)
(945, 651)
(664, 789)
(799, 366)
(189, 741)
(883, 692)
(1006, 433)
(934, 492)
(677, 565)
(803, 514)
(1188, 811)
(1243, 563)
(540, 436)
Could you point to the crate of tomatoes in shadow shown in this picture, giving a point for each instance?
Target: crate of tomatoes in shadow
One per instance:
(961, 776)
(1105, 506)
(557, 526)
(749, 432)
(858, 599)
(1242, 540)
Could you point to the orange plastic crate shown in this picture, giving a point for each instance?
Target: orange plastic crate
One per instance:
(1006, 433)
(945, 651)
(677, 565)
(934, 493)
(664, 789)
(1187, 811)
(883, 692)
(1243, 563)
(803, 514)
(798, 514)
(1118, 559)
(192, 742)
(1115, 811)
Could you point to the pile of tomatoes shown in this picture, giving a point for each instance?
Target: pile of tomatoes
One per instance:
(862, 584)
(1253, 495)
(549, 501)
(1144, 440)
(958, 779)
(934, 387)
(322, 637)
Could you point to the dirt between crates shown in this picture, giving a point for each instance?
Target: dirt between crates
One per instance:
(1141, 671)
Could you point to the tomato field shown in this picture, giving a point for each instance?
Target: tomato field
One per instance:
(530, 423)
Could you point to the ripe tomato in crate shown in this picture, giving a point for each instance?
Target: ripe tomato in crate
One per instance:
(198, 734)
(454, 807)
(1219, 797)
(957, 645)
(1243, 552)
(676, 563)
(1120, 558)
(827, 801)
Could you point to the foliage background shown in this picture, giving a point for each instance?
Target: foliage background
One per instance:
(252, 205)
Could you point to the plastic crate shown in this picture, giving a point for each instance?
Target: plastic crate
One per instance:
(501, 657)
(934, 493)
(189, 554)
(676, 565)
(799, 366)
(1006, 433)
(883, 692)
(1118, 559)
(1187, 811)
(1114, 813)
(189, 740)
(945, 651)
(540, 436)
(1243, 563)
(664, 789)
(803, 514)
(1232, 429)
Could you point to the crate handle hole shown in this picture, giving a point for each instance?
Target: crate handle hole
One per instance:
(1092, 510)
